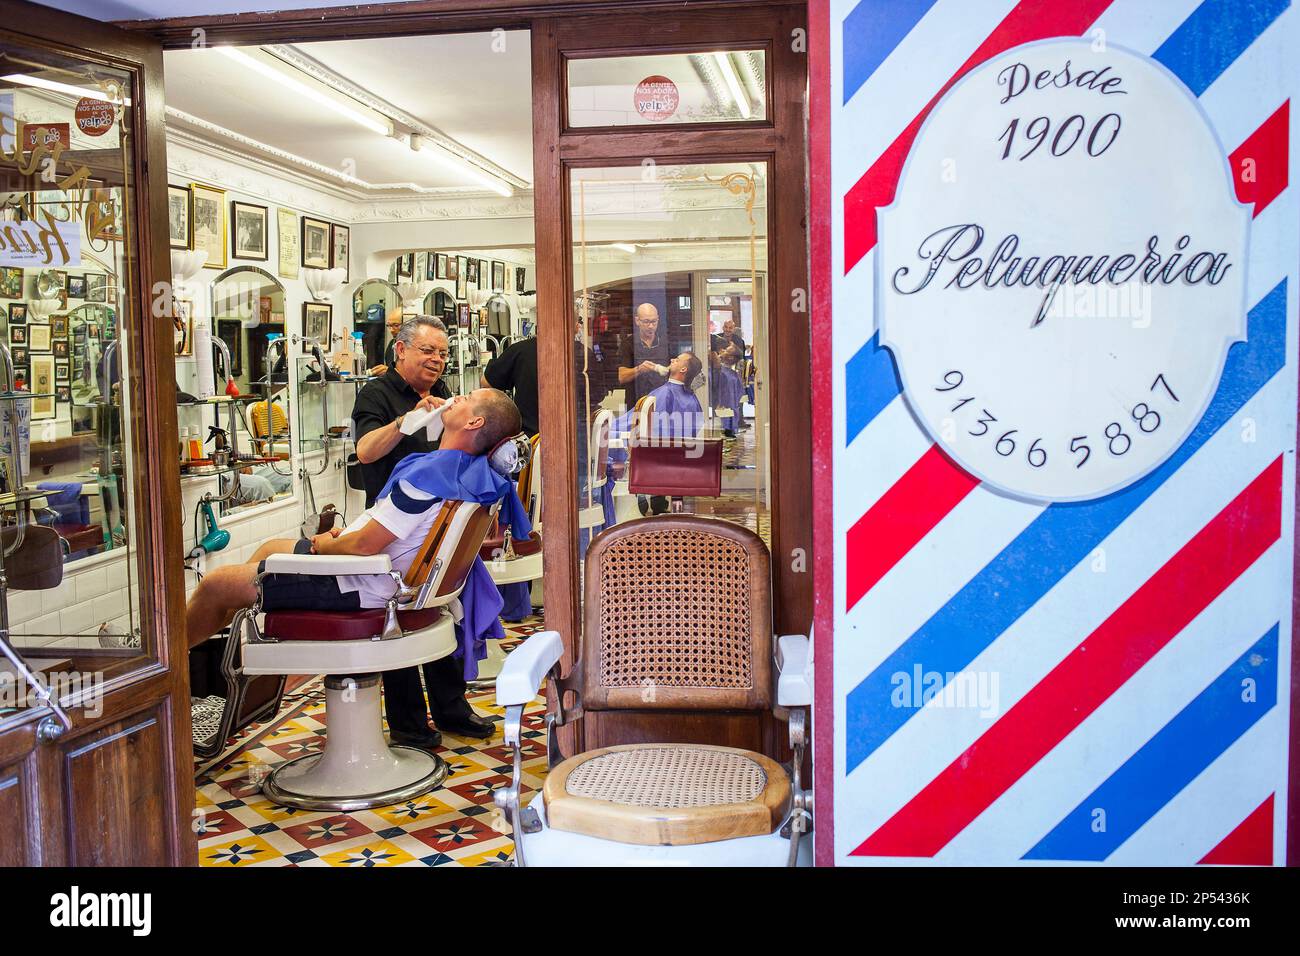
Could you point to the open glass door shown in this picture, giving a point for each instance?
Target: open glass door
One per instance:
(87, 589)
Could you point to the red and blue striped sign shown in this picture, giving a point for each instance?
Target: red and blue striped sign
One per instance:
(1100, 681)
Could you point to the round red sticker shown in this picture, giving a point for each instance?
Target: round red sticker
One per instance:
(656, 98)
(94, 117)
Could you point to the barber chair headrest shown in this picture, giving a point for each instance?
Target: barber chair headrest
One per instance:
(510, 456)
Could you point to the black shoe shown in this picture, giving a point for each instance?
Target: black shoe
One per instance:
(468, 725)
(424, 739)
(643, 505)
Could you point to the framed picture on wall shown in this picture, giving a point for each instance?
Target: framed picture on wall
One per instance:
(60, 348)
(315, 243)
(76, 287)
(454, 266)
(59, 326)
(18, 334)
(38, 337)
(471, 271)
(229, 331)
(462, 315)
(441, 272)
(430, 266)
(520, 279)
(19, 355)
(11, 283)
(18, 313)
(406, 265)
(63, 393)
(286, 231)
(62, 372)
(316, 322)
(249, 232)
(42, 384)
(483, 273)
(208, 213)
(96, 287)
(340, 237)
(180, 226)
(461, 270)
(498, 276)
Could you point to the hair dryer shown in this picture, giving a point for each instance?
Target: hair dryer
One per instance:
(215, 538)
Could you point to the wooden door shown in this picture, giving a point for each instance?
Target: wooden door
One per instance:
(103, 775)
(580, 144)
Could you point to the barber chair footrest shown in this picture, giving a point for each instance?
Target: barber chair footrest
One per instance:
(301, 783)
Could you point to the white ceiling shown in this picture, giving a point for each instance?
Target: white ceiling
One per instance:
(453, 83)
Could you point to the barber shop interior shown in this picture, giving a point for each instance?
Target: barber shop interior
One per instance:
(305, 561)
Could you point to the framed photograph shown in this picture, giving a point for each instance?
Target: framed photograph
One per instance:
(228, 330)
(183, 323)
(315, 243)
(92, 330)
(22, 375)
(340, 240)
(441, 271)
(18, 313)
(483, 273)
(208, 214)
(316, 322)
(498, 276)
(18, 334)
(249, 232)
(520, 279)
(42, 384)
(63, 393)
(19, 355)
(455, 266)
(62, 371)
(180, 226)
(96, 287)
(286, 230)
(111, 297)
(60, 348)
(406, 265)
(11, 283)
(462, 315)
(461, 269)
(59, 326)
(76, 287)
(471, 271)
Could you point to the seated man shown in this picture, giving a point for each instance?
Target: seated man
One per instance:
(677, 415)
(396, 525)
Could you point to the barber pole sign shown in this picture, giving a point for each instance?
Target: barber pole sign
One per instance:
(1057, 258)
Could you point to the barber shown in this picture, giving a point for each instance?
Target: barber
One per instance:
(413, 381)
(394, 324)
(642, 354)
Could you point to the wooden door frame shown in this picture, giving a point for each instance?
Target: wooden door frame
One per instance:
(163, 685)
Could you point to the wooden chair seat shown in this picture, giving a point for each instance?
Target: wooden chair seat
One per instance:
(667, 794)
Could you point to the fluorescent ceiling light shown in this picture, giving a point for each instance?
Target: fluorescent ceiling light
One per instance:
(733, 83)
(456, 164)
(57, 87)
(381, 126)
(624, 246)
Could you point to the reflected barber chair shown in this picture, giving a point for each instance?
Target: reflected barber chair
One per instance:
(677, 618)
(672, 467)
(591, 513)
(358, 768)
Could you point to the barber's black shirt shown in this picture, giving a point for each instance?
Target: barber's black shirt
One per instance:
(378, 404)
(515, 371)
(632, 352)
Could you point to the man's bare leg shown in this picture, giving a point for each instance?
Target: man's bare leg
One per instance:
(274, 546)
(221, 593)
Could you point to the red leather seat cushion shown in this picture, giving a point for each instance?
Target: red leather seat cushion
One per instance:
(80, 537)
(342, 625)
(693, 469)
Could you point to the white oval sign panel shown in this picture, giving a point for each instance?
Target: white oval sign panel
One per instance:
(1063, 269)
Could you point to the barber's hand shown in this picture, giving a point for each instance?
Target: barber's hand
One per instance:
(647, 366)
(428, 403)
(379, 370)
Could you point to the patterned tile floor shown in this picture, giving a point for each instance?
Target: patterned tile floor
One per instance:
(455, 825)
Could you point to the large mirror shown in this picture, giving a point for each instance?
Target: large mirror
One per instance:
(375, 304)
(248, 346)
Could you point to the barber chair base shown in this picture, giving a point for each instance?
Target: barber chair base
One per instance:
(358, 769)
(560, 848)
(524, 568)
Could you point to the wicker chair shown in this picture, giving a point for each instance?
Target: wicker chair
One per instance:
(678, 617)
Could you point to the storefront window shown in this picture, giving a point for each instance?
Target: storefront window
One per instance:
(724, 86)
(71, 369)
(671, 343)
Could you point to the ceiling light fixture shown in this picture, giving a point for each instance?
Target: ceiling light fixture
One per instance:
(381, 126)
(624, 246)
(455, 163)
(733, 83)
(55, 86)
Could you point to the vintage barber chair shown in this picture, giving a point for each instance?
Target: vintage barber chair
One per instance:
(508, 560)
(593, 514)
(358, 768)
(678, 618)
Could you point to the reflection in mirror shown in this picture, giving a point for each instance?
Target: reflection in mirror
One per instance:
(376, 314)
(241, 442)
(669, 299)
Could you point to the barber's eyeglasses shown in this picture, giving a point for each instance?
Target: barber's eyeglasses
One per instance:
(428, 352)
